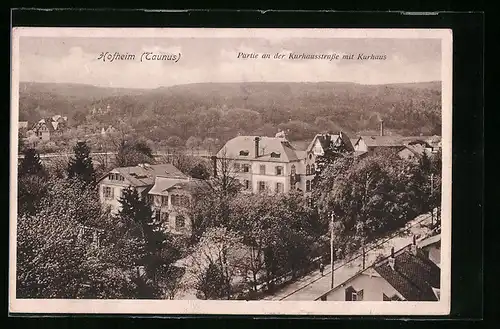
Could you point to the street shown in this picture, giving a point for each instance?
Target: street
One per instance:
(314, 285)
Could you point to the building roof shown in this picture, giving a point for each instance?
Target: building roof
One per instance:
(282, 149)
(429, 241)
(395, 141)
(414, 276)
(417, 149)
(143, 175)
(327, 139)
(165, 184)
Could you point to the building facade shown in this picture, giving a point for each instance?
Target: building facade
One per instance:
(141, 177)
(406, 275)
(272, 164)
(170, 199)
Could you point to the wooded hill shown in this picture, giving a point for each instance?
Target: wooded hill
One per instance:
(222, 110)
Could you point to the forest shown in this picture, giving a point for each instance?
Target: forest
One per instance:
(170, 116)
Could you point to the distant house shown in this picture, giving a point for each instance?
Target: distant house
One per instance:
(406, 275)
(317, 147)
(47, 127)
(141, 177)
(431, 246)
(415, 150)
(407, 147)
(170, 198)
(22, 125)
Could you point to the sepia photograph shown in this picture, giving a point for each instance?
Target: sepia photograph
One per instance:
(230, 171)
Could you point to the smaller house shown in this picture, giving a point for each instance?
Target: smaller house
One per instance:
(406, 275)
(142, 177)
(47, 127)
(170, 198)
(415, 150)
(431, 247)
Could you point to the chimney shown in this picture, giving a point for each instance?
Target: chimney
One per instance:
(257, 139)
(381, 127)
(214, 164)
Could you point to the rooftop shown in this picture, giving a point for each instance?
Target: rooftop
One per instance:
(413, 275)
(145, 174)
(276, 149)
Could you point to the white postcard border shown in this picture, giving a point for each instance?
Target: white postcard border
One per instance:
(177, 307)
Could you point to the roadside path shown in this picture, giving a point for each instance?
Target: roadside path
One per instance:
(313, 285)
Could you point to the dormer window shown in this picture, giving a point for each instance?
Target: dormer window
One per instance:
(244, 153)
(275, 155)
(117, 177)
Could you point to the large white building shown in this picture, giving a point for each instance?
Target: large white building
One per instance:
(272, 164)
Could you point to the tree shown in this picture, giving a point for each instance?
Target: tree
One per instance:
(218, 246)
(20, 142)
(212, 283)
(57, 259)
(31, 163)
(193, 143)
(80, 166)
(156, 253)
(213, 198)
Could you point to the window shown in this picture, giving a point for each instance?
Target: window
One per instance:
(279, 170)
(386, 298)
(244, 153)
(313, 170)
(236, 167)
(247, 184)
(107, 192)
(308, 170)
(310, 201)
(164, 200)
(150, 198)
(293, 170)
(275, 155)
(352, 295)
(310, 156)
(174, 199)
(180, 222)
(279, 188)
(157, 216)
(164, 217)
(262, 186)
(262, 169)
(114, 176)
(246, 168)
(308, 185)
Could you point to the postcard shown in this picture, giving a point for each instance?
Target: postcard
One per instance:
(230, 171)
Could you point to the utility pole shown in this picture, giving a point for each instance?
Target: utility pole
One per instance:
(332, 250)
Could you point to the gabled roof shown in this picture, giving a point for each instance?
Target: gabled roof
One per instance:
(145, 175)
(283, 150)
(327, 139)
(165, 184)
(429, 241)
(414, 276)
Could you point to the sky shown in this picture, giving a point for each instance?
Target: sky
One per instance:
(75, 60)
